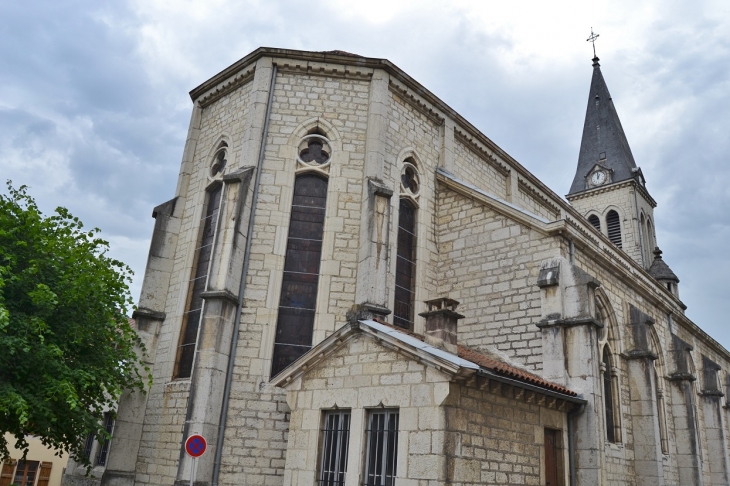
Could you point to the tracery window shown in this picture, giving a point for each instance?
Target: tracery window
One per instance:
(298, 299)
(613, 225)
(198, 282)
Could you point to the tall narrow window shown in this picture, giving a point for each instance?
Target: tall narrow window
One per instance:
(593, 219)
(335, 442)
(191, 319)
(104, 450)
(661, 414)
(301, 272)
(613, 225)
(382, 448)
(608, 396)
(405, 267)
(88, 445)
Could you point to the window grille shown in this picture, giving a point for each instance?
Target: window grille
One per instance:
(613, 225)
(608, 396)
(88, 445)
(382, 448)
(405, 268)
(593, 219)
(191, 318)
(109, 427)
(295, 322)
(335, 445)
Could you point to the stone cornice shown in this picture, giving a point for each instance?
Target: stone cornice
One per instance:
(538, 196)
(480, 151)
(594, 191)
(226, 86)
(314, 68)
(416, 102)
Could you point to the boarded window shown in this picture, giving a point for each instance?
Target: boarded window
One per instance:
(104, 450)
(191, 319)
(593, 219)
(382, 448)
(335, 442)
(608, 396)
(301, 272)
(613, 225)
(405, 267)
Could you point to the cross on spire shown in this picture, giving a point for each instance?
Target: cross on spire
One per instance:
(592, 39)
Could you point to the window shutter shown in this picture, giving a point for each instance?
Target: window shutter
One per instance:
(593, 219)
(6, 477)
(44, 476)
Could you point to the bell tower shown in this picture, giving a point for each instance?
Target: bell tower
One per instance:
(608, 188)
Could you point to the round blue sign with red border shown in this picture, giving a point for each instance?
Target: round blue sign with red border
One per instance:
(195, 445)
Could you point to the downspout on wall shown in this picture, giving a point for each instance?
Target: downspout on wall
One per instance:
(242, 287)
(571, 440)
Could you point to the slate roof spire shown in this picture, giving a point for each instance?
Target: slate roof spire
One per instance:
(604, 141)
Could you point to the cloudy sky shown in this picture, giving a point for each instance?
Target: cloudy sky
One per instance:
(94, 106)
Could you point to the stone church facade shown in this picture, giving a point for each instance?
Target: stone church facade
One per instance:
(353, 285)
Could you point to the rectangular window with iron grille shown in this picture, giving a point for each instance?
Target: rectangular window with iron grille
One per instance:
(335, 445)
(382, 448)
(104, 450)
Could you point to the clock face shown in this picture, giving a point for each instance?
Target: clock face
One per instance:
(598, 178)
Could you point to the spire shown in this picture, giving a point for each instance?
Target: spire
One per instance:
(604, 141)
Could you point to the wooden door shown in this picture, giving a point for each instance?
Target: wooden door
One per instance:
(553, 458)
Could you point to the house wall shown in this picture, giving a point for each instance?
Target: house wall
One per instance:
(39, 452)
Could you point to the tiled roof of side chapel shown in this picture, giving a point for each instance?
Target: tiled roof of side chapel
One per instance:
(604, 141)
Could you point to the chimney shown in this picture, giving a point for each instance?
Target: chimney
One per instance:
(441, 320)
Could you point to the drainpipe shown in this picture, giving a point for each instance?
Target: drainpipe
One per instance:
(242, 288)
(571, 440)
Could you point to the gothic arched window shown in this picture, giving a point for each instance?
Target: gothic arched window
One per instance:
(613, 225)
(295, 322)
(661, 412)
(593, 219)
(405, 267)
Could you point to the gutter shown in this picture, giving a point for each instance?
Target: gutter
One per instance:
(242, 288)
(571, 440)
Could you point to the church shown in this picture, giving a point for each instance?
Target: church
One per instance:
(353, 285)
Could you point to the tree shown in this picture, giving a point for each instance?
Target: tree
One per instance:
(67, 349)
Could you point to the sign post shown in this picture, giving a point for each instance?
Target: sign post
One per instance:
(195, 446)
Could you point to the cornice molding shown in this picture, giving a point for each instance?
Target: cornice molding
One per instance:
(480, 151)
(227, 86)
(538, 196)
(416, 102)
(314, 68)
(594, 191)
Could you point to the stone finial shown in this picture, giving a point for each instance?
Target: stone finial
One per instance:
(441, 323)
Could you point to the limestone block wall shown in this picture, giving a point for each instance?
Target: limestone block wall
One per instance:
(470, 165)
(364, 375)
(490, 264)
(493, 438)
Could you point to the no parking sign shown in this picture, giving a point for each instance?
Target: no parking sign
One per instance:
(195, 445)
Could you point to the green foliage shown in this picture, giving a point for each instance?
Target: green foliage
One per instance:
(67, 350)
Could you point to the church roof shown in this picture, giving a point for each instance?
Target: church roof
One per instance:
(604, 141)
(659, 269)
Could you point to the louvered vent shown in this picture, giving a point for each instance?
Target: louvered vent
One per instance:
(593, 219)
(613, 224)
